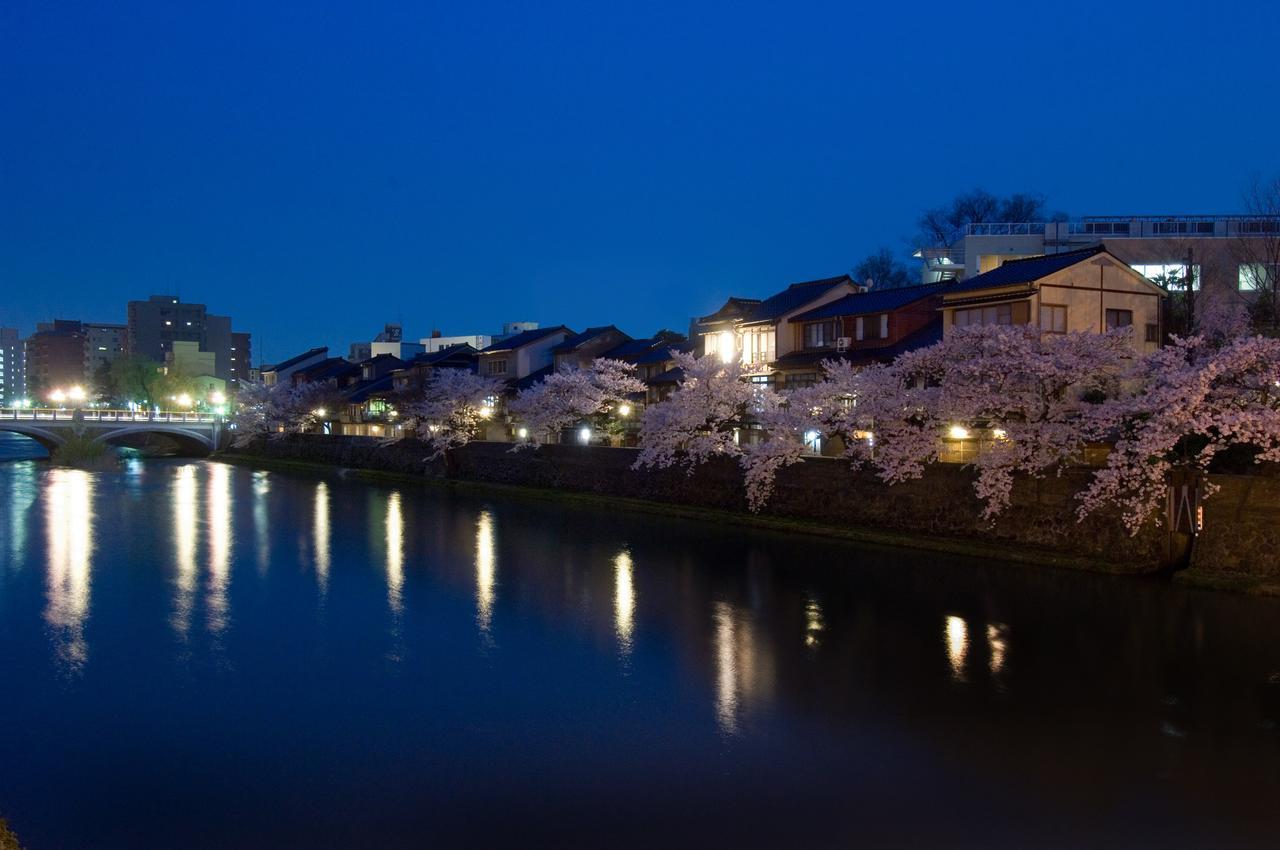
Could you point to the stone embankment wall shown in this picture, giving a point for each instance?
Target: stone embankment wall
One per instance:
(1242, 521)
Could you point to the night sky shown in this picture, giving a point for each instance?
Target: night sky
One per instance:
(315, 170)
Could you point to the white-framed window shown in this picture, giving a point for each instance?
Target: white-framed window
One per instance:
(1053, 319)
(496, 367)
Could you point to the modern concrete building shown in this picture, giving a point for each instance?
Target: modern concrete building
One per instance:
(104, 344)
(437, 341)
(1213, 249)
(241, 358)
(55, 358)
(390, 341)
(161, 320)
(13, 367)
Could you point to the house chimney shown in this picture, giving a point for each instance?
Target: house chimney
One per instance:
(435, 333)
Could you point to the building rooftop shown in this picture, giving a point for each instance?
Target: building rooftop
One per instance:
(524, 338)
(294, 361)
(875, 301)
(751, 311)
(572, 342)
(1028, 270)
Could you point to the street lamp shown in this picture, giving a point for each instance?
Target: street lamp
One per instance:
(183, 400)
(319, 413)
(57, 397)
(624, 410)
(218, 398)
(76, 393)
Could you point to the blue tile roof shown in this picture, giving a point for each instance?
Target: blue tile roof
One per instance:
(875, 301)
(768, 310)
(524, 338)
(630, 348)
(1029, 270)
(574, 341)
(294, 361)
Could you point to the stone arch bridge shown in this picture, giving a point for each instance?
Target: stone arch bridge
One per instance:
(194, 433)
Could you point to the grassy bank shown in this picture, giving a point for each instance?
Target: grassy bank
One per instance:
(879, 537)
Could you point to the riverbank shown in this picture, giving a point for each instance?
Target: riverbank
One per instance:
(824, 497)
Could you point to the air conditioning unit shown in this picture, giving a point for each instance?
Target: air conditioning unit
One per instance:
(842, 344)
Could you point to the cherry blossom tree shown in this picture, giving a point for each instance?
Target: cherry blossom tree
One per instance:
(451, 409)
(1196, 398)
(571, 396)
(1024, 388)
(702, 417)
(274, 411)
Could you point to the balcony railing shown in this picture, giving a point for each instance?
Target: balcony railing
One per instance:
(49, 414)
(1006, 228)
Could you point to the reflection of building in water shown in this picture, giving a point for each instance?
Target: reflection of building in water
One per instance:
(486, 570)
(997, 646)
(219, 495)
(624, 600)
(320, 528)
(957, 637)
(184, 538)
(743, 665)
(69, 529)
(395, 553)
(261, 530)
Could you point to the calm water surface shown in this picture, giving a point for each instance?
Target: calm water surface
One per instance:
(199, 655)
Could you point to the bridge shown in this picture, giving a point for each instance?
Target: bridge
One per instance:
(197, 433)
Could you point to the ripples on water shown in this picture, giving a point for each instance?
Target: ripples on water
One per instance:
(200, 655)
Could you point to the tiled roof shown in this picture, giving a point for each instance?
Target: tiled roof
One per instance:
(294, 361)
(631, 348)
(572, 342)
(875, 301)
(922, 338)
(460, 350)
(524, 338)
(768, 310)
(664, 352)
(671, 376)
(533, 378)
(1029, 270)
(334, 367)
(360, 392)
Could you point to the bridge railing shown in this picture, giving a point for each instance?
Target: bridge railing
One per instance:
(99, 415)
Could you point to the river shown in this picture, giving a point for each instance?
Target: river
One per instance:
(203, 655)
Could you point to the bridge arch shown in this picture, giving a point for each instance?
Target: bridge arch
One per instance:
(46, 437)
(188, 439)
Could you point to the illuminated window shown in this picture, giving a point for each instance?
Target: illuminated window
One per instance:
(1255, 276)
(1172, 276)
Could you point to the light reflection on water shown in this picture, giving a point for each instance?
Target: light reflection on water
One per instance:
(69, 541)
(220, 535)
(624, 650)
(486, 571)
(957, 636)
(320, 528)
(624, 600)
(184, 506)
(395, 553)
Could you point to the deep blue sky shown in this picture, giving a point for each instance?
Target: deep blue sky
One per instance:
(317, 170)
